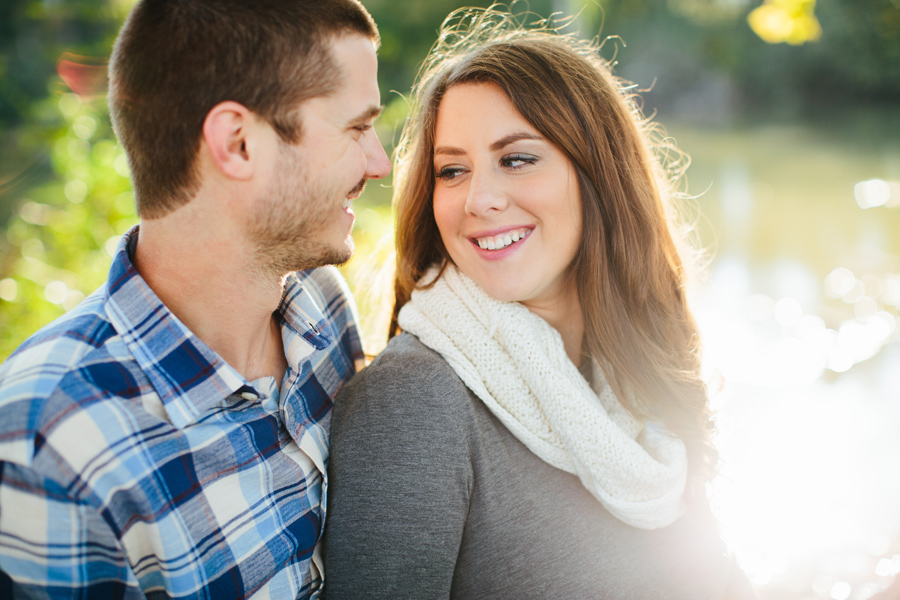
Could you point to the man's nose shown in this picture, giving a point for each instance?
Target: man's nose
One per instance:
(377, 163)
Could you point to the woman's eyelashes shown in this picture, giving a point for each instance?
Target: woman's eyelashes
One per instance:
(447, 173)
(510, 161)
(517, 161)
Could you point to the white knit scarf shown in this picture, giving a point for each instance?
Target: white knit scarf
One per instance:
(515, 362)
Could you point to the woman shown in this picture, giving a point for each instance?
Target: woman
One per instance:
(539, 429)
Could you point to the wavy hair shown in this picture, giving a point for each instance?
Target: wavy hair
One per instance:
(630, 274)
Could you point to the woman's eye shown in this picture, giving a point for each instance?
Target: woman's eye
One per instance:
(516, 161)
(447, 173)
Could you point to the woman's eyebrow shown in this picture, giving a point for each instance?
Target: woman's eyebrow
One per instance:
(514, 137)
(449, 151)
(498, 145)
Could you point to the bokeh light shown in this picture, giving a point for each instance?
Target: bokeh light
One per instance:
(877, 192)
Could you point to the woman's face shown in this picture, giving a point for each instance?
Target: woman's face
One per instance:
(506, 200)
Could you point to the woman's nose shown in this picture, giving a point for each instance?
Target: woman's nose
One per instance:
(485, 195)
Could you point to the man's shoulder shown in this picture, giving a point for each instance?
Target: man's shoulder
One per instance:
(75, 344)
(56, 348)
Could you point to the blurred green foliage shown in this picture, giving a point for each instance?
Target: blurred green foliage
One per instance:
(791, 21)
(64, 188)
(678, 45)
(64, 191)
(33, 36)
(61, 238)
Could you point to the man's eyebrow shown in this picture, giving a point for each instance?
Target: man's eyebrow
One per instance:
(498, 145)
(371, 113)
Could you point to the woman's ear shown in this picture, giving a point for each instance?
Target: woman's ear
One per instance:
(227, 133)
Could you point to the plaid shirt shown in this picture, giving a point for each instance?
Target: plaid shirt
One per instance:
(134, 461)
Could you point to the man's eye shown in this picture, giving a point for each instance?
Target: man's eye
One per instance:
(363, 128)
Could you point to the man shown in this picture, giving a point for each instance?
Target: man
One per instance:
(168, 437)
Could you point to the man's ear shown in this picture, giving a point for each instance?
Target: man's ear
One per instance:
(227, 132)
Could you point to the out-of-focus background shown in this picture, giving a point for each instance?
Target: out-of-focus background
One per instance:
(790, 112)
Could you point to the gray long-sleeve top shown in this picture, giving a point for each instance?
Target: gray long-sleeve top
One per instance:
(430, 496)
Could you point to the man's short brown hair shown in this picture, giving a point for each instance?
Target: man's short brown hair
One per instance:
(174, 60)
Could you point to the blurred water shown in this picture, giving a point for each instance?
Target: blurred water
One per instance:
(799, 319)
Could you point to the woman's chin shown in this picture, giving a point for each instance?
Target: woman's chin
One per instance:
(504, 292)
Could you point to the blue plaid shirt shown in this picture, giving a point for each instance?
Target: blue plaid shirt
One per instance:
(134, 461)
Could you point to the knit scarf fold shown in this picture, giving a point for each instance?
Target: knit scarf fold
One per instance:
(515, 362)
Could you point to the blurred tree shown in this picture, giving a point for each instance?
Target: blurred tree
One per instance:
(64, 232)
(409, 28)
(697, 48)
(64, 190)
(790, 21)
(33, 35)
(856, 61)
(63, 185)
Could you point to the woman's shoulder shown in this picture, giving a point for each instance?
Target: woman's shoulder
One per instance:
(406, 412)
(408, 363)
(405, 350)
(406, 377)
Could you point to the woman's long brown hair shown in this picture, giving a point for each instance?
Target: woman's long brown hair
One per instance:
(629, 272)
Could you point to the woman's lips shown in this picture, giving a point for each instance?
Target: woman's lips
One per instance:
(499, 243)
(501, 240)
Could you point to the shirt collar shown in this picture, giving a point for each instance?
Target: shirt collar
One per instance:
(189, 377)
(304, 328)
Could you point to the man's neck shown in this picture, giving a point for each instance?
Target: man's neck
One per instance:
(205, 276)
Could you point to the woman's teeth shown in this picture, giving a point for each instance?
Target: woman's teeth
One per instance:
(503, 240)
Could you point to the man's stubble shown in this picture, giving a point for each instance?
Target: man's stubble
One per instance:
(292, 225)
